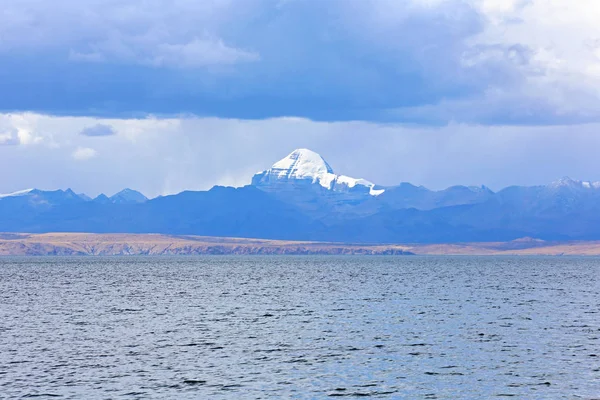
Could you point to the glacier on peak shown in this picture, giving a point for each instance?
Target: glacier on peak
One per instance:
(306, 166)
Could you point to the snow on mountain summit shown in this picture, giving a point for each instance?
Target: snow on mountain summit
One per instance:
(16, 194)
(305, 166)
(567, 182)
(300, 164)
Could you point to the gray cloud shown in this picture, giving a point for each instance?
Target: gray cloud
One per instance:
(196, 53)
(157, 33)
(98, 130)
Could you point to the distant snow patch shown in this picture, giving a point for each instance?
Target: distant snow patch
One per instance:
(16, 194)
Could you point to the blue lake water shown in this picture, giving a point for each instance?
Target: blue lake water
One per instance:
(300, 327)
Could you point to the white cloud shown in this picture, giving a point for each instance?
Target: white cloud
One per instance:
(20, 129)
(562, 45)
(84, 153)
(27, 137)
(9, 138)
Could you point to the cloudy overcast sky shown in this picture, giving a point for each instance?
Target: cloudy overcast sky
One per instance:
(167, 95)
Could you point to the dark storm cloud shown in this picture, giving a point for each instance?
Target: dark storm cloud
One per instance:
(421, 61)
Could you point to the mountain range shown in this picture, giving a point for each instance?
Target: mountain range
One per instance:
(301, 198)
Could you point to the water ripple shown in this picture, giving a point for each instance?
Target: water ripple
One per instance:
(299, 327)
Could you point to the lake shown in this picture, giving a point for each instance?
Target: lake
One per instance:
(300, 327)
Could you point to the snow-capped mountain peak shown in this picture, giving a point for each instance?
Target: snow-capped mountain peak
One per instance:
(567, 182)
(300, 164)
(16, 194)
(303, 166)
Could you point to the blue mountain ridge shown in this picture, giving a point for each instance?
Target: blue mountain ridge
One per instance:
(302, 199)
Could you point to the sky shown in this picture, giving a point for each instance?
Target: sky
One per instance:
(164, 96)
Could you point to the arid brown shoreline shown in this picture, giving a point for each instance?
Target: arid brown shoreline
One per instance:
(64, 244)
